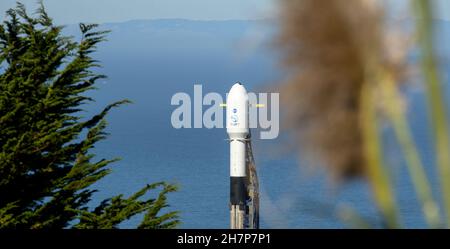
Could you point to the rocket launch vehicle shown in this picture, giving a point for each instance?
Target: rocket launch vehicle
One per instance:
(243, 181)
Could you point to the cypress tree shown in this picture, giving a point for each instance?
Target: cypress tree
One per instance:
(46, 167)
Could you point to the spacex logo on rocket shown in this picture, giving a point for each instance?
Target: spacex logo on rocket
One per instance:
(244, 110)
(234, 118)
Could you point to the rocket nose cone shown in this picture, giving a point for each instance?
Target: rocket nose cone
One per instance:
(238, 88)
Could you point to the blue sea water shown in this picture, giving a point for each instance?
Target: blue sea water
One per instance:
(148, 61)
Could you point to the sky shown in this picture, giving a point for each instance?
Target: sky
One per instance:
(104, 11)
(101, 11)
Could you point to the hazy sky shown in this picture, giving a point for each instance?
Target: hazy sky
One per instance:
(101, 11)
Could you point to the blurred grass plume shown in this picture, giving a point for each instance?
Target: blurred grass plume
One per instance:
(345, 65)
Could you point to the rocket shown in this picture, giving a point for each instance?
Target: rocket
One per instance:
(237, 124)
(238, 130)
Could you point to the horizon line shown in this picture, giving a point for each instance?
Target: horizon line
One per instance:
(177, 19)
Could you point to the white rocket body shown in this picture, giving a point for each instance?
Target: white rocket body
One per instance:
(237, 128)
(243, 200)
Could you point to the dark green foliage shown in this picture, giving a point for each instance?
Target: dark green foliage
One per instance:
(46, 168)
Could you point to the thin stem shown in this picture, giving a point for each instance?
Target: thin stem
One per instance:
(376, 171)
(435, 98)
(413, 161)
